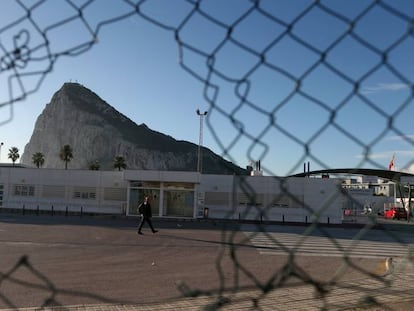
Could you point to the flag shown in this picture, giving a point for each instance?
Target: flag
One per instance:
(391, 165)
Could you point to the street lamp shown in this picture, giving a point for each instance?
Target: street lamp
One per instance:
(200, 141)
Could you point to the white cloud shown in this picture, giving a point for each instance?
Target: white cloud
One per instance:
(383, 87)
(388, 154)
(410, 169)
(402, 137)
(378, 155)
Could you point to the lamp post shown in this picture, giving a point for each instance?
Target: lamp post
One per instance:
(1, 145)
(200, 141)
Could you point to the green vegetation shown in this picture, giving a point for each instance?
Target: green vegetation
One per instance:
(66, 154)
(14, 154)
(119, 162)
(38, 159)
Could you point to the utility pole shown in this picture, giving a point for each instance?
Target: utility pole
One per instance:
(200, 141)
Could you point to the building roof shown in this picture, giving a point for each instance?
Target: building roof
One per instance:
(386, 174)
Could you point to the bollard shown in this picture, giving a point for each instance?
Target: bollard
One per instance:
(37, 210)
(81, 211)
(23, 209)
(283, 218)
(66, 211)
(328, 220)
(52, 210)
(306, 219)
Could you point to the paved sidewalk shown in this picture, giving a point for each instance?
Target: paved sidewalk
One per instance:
(368, 293)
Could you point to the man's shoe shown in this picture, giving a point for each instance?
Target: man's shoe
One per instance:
(139, 232)
(155, 231)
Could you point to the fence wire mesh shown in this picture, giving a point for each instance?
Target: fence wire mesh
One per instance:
(29, 51)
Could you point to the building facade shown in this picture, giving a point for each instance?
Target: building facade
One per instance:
(179, 194)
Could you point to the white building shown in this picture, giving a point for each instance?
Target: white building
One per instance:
(178, 194)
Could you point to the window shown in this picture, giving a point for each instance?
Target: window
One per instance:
(24, 190)
(178, 203)
(1, 195)
(250, 199)
(145, 184)
(179, 185)
(136, 196)
(84, 193)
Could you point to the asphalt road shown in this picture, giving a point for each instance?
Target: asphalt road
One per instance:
(57, 260)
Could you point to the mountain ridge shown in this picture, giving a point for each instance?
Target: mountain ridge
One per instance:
(96, 131)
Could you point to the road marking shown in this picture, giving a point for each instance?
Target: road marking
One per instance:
(273, 243)
(27, 243)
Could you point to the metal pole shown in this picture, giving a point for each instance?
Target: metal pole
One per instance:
(409, 202)
(200, 141)
(1, 144)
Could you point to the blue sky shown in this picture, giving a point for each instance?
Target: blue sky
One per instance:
(289, 84)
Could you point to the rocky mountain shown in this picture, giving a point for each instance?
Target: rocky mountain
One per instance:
(96, 131)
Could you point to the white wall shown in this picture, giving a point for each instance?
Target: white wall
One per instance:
(69, 179)
(291, 199)
(323, 199)
(321, 196)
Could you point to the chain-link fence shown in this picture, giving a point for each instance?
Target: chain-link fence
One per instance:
(242, 46)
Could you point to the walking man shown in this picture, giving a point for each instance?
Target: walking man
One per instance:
(145, 210)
